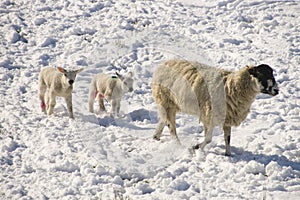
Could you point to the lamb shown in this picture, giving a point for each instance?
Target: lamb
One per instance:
(218, 97)
(112, 88)
(56, 82)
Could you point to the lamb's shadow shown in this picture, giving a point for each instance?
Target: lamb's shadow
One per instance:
(136, 115)
(247, 156)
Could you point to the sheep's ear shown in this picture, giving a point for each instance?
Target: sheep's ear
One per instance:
(79, 70)
(119, 76)
(130, 74)
(253, 71)
(60, 69)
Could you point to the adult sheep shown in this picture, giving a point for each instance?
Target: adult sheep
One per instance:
(218, 97)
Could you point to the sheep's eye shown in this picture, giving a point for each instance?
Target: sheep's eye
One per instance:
(65, 75)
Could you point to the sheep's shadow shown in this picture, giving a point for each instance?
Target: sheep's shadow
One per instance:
(283, 161)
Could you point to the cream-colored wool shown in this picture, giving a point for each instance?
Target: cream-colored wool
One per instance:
(56, 82)
(112, 88)
(218, 97)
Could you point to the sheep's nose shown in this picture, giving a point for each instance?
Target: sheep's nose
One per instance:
(130, 89)
(276, 91)
(71, 82)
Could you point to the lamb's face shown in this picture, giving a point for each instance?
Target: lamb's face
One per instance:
(127, 84)
(69, 75)
(264, 74)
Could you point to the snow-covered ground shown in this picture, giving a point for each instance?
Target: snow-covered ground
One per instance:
(98, 157)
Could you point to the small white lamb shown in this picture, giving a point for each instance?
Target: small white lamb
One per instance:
(110, 87)
(56, 82)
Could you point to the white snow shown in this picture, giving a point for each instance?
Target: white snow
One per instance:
(98, 157)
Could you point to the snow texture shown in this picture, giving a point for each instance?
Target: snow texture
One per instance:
(96, 156)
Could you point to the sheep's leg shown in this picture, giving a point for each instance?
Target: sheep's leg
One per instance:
(171, 117)
(42, 91)
(51, 103)
(227, 132)
(162, 122)
(207, 139)
(69, 106)
(159, 129)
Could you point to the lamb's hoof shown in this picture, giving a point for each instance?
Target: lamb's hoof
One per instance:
(121, 116)
(43, 107)
(197, 146)
(157, 138)
(111, 115)
(191, 151)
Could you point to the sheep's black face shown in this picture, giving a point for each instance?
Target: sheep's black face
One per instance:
(264, 74)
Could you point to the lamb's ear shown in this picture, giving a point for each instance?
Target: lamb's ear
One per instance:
(130, 74)
(79, 70)
(119, 76)
(60, 69)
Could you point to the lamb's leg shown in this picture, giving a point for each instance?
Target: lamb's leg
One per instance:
(227, 132)
(47, 100)
(118, 106)
(162, 122)
(42, 91)
(171, 117)
(69, 106)
(207, 139)
(113, 110)
(101, 103)
(51, 103)
(92, 96)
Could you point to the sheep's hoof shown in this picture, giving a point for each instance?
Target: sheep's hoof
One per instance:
(157, 138)
(227, 154)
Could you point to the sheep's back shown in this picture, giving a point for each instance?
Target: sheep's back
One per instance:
(170, 88)
(189, 86)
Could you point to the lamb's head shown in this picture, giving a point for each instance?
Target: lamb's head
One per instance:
(127, 81)
(264, 75)
(69, 75)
